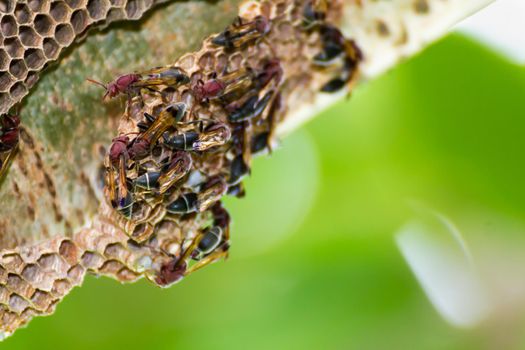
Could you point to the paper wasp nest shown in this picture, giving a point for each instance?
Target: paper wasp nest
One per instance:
(33, 33)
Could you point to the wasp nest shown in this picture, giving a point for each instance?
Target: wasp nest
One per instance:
(34, 32)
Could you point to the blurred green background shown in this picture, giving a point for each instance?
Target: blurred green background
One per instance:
(314, 264)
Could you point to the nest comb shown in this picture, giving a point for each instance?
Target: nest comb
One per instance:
(33, 33)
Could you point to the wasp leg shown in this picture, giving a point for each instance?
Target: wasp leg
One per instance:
(209, 259)
(191, 248)
(5, 165)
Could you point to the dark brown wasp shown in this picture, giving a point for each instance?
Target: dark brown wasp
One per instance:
(148, 181)
(221, 217)
(124, 84)
(9, 132)
(206, 247)
(144, 125)
(240, 34)
(246, 82)
(160, 181)
(203, 91)
(238, 169)
(228, 87)
(314, 12)
(237, 83)
(333, 45)
(179, 166)
(237, 190)
(183, 142)
(216, 134)
(263, 140)
(211, 192)
(169, 117)
(272, 70)
(120, 198)
(213, 243)
(251, 109)
(9, 137)
(185, 204)
(350, 70)
(169, 76)
(171, 272)
(207, 244)
(202, 245)
(191, 202)
(121, 85)
(260, 142)
(273, 115)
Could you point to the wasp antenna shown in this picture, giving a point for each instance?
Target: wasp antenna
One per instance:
(97, 83)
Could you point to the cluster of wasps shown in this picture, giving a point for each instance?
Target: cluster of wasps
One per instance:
(340, 56)
(178, 164)
(9, 137)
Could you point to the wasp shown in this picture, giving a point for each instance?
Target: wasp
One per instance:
(213, 242)
(9, 137)
(171, 272)
(143, 126)
(333, 45)
(210, 193)
(272, 70)
(124, 84)
(314, 13)
(120, 198)
(240, 34)
(350, 69)
(160, 181)
(202, 245)
(169, 76)
(237, 190)
(148, 181)
(179, 166)
(221, 217)
(197, 202)
(251, 109)
(273, 115)
(183, 142)
(169, 117)
(121, 85)
(204, 91)
(209, 245)
(185, 204)
(260, 142)
(10, 130)
(238, 169)
(216, 134)
(237, 84)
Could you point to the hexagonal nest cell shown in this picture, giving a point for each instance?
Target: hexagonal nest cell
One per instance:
(34, 32)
